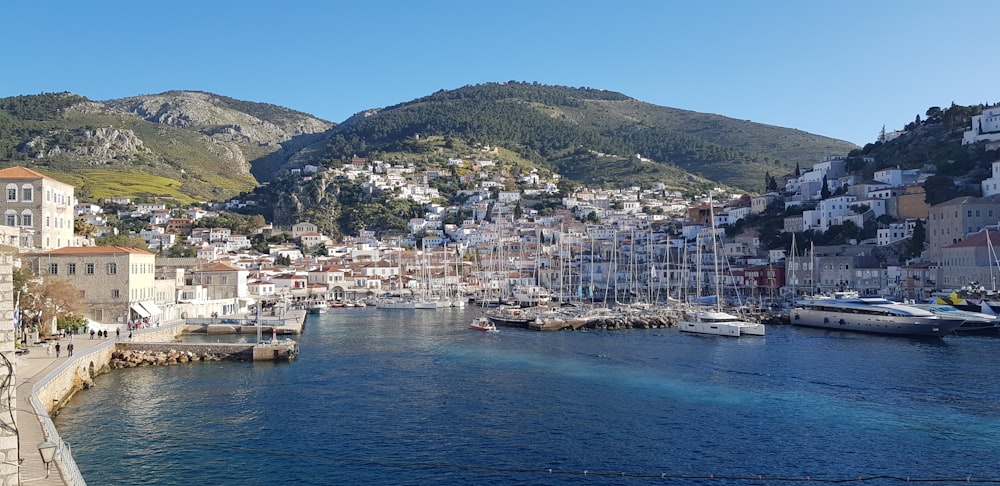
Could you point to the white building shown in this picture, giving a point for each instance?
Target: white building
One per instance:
(991, 186)
(985, 127)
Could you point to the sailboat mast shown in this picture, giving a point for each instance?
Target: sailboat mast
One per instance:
(715, 254)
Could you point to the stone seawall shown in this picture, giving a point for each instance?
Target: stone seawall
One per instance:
(79, 371)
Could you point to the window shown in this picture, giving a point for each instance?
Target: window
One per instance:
(26, 193)
(12, 192)
(115, 293)
(112, 269)
(53, 269)
(26, 219)
(89, 269)
(70, 269)
(11, 219)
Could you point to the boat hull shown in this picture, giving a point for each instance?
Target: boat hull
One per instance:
(733, 329)
(873, 324)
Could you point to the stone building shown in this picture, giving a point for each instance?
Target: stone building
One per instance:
(41, 206)
(222, 281)
(949, 222)
(117, 283)
(972, 260)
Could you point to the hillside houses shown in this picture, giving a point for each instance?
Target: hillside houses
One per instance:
(623, 243)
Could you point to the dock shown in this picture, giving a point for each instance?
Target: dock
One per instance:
(290, 322)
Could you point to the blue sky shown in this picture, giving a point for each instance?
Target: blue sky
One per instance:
(841, 68)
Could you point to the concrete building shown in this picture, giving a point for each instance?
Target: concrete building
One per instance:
(41, 206)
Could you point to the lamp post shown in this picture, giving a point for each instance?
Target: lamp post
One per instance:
(47, 449)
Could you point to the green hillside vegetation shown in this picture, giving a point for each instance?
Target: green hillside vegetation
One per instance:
(575, 130)
(178, 165)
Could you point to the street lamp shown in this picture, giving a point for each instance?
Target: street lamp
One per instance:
(48, 451)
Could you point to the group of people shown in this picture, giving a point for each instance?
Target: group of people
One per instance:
(49, 347)
(101, 333)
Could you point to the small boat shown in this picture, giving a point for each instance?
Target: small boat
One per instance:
(483, 324)
(316, 308)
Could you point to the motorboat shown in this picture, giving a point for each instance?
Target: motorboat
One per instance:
(976, 323)
(483, 324)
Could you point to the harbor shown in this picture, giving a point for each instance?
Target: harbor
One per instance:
(47, 381)
(640, 401)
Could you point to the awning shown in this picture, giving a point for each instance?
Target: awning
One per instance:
(150, 307)
(139, 310)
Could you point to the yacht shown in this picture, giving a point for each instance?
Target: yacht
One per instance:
(845, 311)
(976, 323)
(720, 323)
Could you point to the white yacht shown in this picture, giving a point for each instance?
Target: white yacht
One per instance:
(845, 311)
(720, 323)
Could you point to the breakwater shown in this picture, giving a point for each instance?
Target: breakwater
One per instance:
(130, 355)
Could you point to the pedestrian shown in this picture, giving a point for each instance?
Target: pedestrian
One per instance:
(91, 333)
(57, 350)
(69, 350)
(48, 348)
(105, 334)
(130, 335)
(118, 333)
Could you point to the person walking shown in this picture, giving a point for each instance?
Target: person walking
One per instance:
(91, 333)
(69, 350)
(118, 334)
(48, 348)
(57, 350)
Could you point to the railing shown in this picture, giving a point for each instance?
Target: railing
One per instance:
(64, 455)
(198, 321)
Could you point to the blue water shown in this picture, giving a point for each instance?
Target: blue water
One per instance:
(415, 397)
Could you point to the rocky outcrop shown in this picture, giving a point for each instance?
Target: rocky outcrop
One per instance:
(98, 145)
(222, 118)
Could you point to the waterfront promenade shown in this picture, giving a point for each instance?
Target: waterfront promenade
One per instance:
(34, 368)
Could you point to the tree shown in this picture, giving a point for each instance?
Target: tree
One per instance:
(916, 245)
(824, 192)
(126, 241)
(938, 189)
(180, 250)
(83, 228)
(770, 183)
(49, 297)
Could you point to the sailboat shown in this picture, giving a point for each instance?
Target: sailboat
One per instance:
(716, 321)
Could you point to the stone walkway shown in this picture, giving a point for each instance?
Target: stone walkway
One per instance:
(29, 369)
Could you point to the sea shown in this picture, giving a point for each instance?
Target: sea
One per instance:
(402, 397)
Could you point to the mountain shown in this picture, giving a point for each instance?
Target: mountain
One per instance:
(183, 146)
(589, 135)
(188, 146)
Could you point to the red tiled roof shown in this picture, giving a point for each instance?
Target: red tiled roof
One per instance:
(21, 173)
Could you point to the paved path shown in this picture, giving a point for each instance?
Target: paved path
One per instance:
(29, 369)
